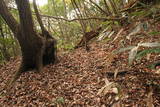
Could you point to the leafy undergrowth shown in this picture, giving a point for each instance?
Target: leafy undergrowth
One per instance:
(76, 80)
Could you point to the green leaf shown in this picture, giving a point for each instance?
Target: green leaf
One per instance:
(142, 4)
(143, 53)
(88, 29)
(60, 100)
(138, 13)
(154, 33)
(106, 23)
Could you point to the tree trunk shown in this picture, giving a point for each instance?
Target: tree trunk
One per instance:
(35, 53)
(50, 51)
(32, 45)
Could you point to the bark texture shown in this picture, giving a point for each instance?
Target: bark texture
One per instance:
(37, 50)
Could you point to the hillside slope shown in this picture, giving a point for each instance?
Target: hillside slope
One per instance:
(76, 80)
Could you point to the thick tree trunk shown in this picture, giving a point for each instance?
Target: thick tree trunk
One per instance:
(35, 53)
(32, 45)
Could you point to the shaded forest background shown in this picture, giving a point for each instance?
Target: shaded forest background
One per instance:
(68, 20)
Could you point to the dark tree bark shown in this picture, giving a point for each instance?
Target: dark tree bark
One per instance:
(33, 46)
(50, 44)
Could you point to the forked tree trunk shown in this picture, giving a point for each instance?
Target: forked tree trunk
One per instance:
(32, 45)
(35, 53)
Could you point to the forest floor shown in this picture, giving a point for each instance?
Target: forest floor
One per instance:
(78, 80)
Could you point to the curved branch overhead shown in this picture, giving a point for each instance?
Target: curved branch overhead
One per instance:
(75, 19)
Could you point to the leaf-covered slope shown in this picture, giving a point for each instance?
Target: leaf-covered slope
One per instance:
(76, 80)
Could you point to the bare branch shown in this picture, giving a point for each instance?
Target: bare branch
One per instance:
(8, 17)
(87, 18)
(38, 18)
(77, 19)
